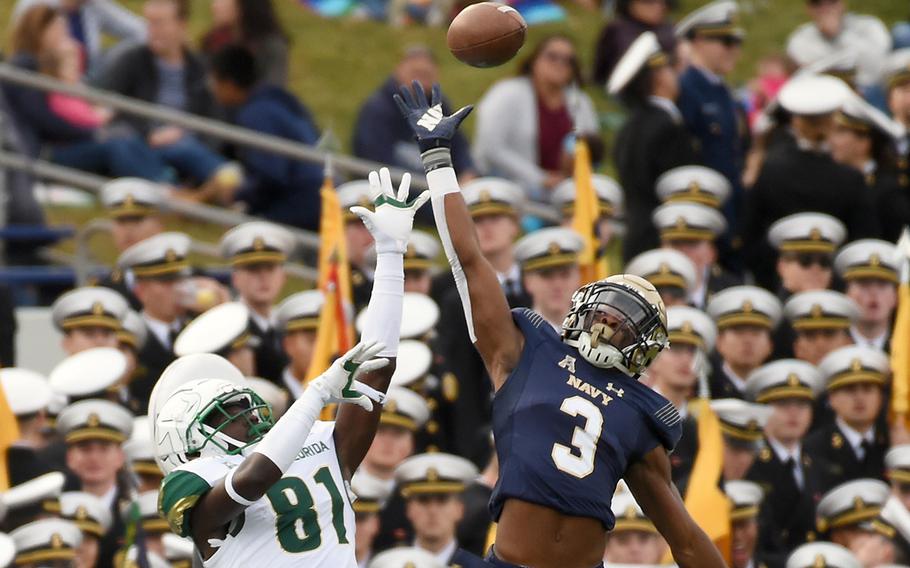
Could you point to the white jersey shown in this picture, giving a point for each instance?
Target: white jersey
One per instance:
(305, 519)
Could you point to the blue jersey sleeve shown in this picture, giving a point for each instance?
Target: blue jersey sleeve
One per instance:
(666, 426)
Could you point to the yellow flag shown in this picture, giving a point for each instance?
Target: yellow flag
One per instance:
(9, 433)
(900, 338)
(584, 219)
(332, 244)
(705, 501)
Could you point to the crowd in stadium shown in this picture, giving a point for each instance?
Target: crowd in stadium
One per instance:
(771, 220)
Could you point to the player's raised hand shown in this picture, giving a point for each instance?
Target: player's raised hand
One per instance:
(392, 219)
(431, 127)
(339, 385)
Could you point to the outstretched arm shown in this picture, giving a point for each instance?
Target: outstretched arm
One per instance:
(486, 310)
(390, 223)
(272, 457)
(649, 480)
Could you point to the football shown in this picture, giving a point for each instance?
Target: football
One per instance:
(486, 34)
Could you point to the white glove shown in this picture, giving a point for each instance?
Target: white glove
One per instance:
(338, 385)
(393, 218)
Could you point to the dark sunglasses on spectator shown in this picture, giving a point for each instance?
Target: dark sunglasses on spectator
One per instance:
(820, 2)
(808, 259)
(559, 58)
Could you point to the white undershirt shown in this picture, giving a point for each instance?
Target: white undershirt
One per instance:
(262, 322)
(874, 342)
(737, 381)
(668, 106)
(783, 454)
(162, 330)
(293, 384)
(855, 439)
(109, 497)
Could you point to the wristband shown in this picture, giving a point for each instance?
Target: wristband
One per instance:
(442, 181)
(436, 158)
(232, 493)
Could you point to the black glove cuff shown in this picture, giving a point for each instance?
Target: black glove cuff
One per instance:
(436, 158)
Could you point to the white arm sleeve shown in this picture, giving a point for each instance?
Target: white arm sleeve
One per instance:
(283, 442)
(383, 319)
(442, 181)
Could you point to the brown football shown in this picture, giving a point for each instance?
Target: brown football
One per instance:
(486, 34)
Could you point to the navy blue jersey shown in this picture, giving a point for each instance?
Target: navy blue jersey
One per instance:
(566, 430)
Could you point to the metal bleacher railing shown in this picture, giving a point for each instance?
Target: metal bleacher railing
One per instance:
(349, 166)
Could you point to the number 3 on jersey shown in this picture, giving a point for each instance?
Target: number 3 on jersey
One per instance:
(579, 459)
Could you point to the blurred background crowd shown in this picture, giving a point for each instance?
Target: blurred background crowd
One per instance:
(749, 159)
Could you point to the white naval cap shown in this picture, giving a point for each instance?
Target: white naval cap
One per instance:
(133, 331)
(27, 392)
(644, 52)
(405, 557)
(89, 306)
(405, 408)
(47, 540)
(548, 248)
(811, 95)
(851, 503)
(178, 550)
(434, 473)
(854, 364)
(257, 242)
(150, 517)
(664, 267)
(218, 330)
(161, 256)
(897, 68)
(609, 196)
(690, 326)
(140, 450)
(719, 18)
(300, 311)
(87, 511)
(746, 497)
(371, 492)
(897, 463)
(95, 419)
(132, 197)
(688, 221)
(275, 396)
(154, 559)
(745, 305)
(856, 114)
(784, 379)
(820, 309)
(7, 550)
(354, 193)
(493, 196)
(419, 315)
(894, 516)
(413, 362)
(807, 232)
(628, 514)
(868, 258)
(422, 252)
(740, 420)
(93, 372)
(41, 493)
(822, 555)
(696, 184)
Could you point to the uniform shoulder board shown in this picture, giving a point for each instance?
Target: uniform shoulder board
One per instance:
(532, 316)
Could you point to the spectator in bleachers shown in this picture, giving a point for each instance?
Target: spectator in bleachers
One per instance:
(523, 122)
(163, 70)
(833, 30)
(276, 187)
(42, 32)
(633, 17)
(88, 20)
(380, 134)
(65, 64)
(253, 24)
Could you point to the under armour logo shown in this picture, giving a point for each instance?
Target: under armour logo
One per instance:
(431, 119)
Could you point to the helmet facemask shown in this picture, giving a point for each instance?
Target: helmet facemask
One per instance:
(613, 326)
(255, 414)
